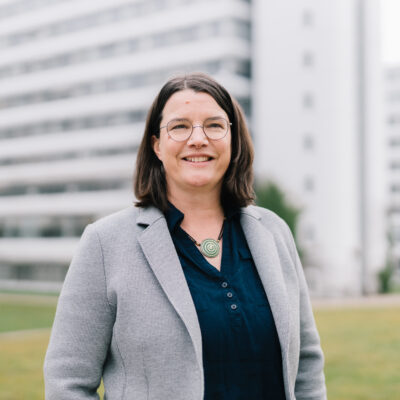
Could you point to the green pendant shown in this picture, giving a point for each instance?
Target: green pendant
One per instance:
(209, 248)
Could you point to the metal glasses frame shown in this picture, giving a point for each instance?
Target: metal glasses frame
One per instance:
(195, 126)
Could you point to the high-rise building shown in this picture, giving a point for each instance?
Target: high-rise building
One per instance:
(392, 137)
(316, 116)
(76, 80)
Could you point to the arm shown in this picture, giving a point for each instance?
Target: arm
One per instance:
(310, 380)
(82, 327)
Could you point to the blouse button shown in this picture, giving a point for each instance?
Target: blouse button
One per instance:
(224, 284)
(234, 306)
(229, 294)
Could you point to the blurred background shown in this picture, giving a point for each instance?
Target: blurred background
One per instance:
(318, 80)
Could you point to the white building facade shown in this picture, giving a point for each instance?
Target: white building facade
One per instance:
(392, 135)
(76, 80)
(317, 117)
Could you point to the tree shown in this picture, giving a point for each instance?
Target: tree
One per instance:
(270, 195)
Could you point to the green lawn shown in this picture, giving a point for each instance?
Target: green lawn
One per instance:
(26, 312)
(362, 349)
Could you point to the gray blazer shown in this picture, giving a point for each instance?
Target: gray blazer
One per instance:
(125, 313)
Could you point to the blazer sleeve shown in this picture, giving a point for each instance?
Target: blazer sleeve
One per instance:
(82, 327)
(310, 380)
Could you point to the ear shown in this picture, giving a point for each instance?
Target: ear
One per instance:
(155, 143)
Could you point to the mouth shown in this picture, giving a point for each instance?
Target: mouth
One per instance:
(198, 159)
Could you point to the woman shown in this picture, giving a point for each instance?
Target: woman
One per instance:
(194, 293)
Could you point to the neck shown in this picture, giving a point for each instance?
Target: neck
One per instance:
(198, 207)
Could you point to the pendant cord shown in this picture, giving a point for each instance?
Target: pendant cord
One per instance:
(218, 240)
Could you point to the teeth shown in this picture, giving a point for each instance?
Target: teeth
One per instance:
(197, 159)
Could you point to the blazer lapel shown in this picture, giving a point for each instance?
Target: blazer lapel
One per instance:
(266, 259)
(161, 255)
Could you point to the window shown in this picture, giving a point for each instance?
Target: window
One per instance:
(308, 59)
(308, 18)
(309, 184)
(308, 142)
(308, 100)
(309, 233)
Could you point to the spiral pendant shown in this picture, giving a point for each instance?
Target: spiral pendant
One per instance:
(209, 248)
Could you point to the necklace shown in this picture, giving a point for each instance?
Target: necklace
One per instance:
(209, 247)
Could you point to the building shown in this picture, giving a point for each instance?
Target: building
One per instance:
(77, 77)
(392, 136)
(317, 117)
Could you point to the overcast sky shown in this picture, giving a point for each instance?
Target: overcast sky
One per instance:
(390, 25)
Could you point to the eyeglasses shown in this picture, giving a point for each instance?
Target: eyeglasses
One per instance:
(181, 129)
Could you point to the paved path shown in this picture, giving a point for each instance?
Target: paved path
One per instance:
(24, 333)
(386, 300)
(27, 298)
(373, 301)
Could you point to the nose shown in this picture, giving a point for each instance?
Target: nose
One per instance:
(198, 138)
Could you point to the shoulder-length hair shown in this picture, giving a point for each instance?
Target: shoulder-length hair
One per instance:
(150, 185)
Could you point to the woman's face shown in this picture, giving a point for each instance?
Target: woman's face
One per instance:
(197, 163)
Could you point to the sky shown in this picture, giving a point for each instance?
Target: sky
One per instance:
(390, 28)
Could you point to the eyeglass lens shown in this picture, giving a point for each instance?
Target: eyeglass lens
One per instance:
(181, 129)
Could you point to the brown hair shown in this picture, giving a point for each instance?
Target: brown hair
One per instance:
(149, 180)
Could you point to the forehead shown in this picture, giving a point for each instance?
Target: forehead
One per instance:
(190, 104)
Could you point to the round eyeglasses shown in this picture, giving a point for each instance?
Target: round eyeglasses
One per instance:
(181, 129)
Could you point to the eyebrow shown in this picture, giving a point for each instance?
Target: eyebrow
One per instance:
(187, 119)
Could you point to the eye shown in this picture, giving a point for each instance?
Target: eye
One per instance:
(180, 126)
(216, 124)
(177, 125)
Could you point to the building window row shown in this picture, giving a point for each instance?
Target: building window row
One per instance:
(395, 188)
(87, 122)
(393, 74)
(111, 15)
(22, 7)
(73, 124)
(106, 152)
(394, 141)
(394, 119)
(129, 46)
(395, 165)
(52, 188)
(393, 97)
(124, 82)
(43, 272)
(44, 226)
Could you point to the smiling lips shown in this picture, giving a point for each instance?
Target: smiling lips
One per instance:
(198, 159)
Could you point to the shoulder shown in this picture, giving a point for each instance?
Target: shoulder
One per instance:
(266, 217)
(271, 222)
(116, 221)
(128, 222)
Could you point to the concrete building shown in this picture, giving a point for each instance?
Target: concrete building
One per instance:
(392, 136)
(317, 118)
(76, 79)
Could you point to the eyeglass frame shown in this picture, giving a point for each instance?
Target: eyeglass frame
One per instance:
(197, 126)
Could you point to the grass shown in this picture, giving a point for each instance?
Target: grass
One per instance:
(18, 312)
(362, 351)
(21, 374)
(361, 347)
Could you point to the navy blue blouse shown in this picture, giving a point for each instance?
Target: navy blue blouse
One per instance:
(241, 351)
